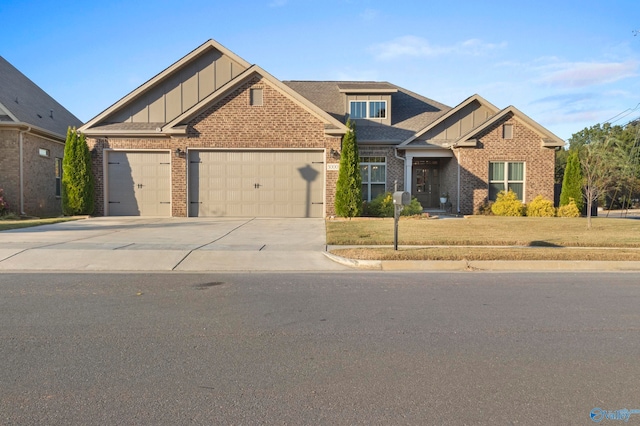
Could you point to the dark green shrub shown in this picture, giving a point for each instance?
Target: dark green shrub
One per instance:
(484, 209)
(382, 206)
(4, 206)
(77, 179)
(572, 181)
(349, 186)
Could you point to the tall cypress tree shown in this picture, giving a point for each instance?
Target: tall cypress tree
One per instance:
(77, 179)
(572, 181)
(349, 185)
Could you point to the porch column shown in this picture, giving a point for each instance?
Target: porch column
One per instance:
(408, 165)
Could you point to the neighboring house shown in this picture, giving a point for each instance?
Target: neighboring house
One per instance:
(33, 128)
(213, 135)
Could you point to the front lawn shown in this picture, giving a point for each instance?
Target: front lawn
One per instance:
(7, 224)
(540, 238)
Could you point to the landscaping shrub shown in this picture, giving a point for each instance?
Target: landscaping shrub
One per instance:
(541, 207)
(569, 210)
(382, 206)
(4, 206)
(508, 204)
(484, 209)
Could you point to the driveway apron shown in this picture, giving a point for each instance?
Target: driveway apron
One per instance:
(168, 244)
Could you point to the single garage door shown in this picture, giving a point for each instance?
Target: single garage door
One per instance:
(256, 183)
(139, 183)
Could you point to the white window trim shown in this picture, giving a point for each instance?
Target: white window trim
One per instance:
(506, 180)
(374, 163)
(368, 109)
(44, 152)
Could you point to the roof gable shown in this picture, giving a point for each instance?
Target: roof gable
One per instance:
(167, 102)
(175, 90)
(547, 139)
(465, 116)
(332, 126)
(24, 102)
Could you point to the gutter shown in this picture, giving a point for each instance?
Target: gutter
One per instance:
(404, 168)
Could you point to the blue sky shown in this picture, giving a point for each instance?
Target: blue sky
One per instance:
(566, 64)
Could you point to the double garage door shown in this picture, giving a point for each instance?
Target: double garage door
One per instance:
(256, 183)
(220, 183)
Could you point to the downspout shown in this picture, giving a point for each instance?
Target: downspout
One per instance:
(21, 167)
(458, 196)
(404, 168)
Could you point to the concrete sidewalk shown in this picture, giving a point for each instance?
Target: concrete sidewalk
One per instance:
(168, 244)
(117, 244)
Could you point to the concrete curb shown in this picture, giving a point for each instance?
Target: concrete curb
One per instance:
(485, 265)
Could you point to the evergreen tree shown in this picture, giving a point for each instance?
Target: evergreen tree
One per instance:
(349, 185)
(77, 179)
(572, 181)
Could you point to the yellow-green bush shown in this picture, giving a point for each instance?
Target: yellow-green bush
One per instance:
(541, 207)
(508, 204)
(569, 210)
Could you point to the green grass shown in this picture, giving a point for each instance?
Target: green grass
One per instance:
(488, 230)
(10, 222)
(539, 238)
(475, 253)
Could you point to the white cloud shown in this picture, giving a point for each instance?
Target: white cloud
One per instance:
(413, 46)
(583, 74)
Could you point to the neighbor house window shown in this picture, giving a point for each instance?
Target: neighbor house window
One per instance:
(43, 152)
(504, 176)
(507, 131)
(368, 109)
(255, 97)
(374, 176)
(58, 177)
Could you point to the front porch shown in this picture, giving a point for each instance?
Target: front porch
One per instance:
(431, 177)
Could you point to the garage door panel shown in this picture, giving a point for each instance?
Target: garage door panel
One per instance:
(138, 183)
(257, 183)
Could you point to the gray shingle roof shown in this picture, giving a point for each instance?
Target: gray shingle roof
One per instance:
(410, 112)
(29, 104)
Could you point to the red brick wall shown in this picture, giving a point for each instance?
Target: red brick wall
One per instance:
(39, 183)
(526, 146)
(233, 123)
(10, 168)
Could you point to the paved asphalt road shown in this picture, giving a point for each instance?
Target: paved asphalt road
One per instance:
(333, 348)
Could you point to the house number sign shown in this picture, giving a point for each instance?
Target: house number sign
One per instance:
(333, 166)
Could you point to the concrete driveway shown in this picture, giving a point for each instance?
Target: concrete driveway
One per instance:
(168, 244)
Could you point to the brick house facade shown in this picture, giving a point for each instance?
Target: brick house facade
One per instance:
(33, 130)
(214, 135)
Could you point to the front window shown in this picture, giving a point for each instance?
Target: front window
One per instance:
(378, 109)
(368, 109)
(58, 177)
(358, 110)
(374, 176)
(504, 176)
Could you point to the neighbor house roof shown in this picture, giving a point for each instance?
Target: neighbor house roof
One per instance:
(410, 112)
(22, 102)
